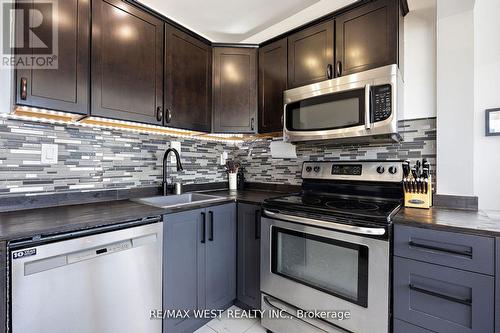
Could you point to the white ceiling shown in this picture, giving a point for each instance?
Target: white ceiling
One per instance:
(248, 21)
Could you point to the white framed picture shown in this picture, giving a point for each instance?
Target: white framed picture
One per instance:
(493, 122)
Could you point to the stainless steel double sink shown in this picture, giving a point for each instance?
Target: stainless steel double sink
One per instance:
(171, 201)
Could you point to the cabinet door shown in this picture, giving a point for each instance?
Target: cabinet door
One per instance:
(272, 84)
(404, 327)
(235, 90)
(183, 267)
(67, 87)
(367, 37)
(188, 81)
(310, 55)
(466, 252)
(443, 299)
(249, 255)
(497, 288)
(127, 63)
(220, 283)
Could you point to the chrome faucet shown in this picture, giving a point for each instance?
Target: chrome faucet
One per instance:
(165, 167)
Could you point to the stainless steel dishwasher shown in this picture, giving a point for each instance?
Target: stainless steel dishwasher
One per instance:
(97, 281)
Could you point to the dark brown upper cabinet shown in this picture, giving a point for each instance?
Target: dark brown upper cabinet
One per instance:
(367, 37)
(67, 87)
(235, 90)
(127, 63)
(188, 81)
(272, 84)
(310, 55)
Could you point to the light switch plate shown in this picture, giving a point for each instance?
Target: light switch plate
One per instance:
(49, 154)
(177, 146)
(223, 158)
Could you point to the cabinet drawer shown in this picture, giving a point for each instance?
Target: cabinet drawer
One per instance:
(467, 252)
(442, 299)
(404, 327)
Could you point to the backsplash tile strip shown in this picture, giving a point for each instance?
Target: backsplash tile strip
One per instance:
(419, 142)
(96, 159)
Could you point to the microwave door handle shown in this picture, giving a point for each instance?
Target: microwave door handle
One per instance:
(368, 118)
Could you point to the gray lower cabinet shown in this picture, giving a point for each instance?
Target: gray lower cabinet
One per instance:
(199, 263)
(497, 288)
(249, 256)
(220, 256)
(404, 327)
(434, 294)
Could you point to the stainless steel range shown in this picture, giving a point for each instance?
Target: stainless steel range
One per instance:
(328, 248)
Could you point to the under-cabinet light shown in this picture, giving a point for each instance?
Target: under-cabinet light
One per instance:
(57, 117)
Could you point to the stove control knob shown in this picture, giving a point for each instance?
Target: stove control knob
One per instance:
(317, 168)
(393, 170)
(308, 169)
(380, 169)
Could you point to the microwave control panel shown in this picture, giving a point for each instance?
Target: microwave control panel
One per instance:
(382, 102)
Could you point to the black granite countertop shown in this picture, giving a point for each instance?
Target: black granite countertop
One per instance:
(472, 222)
(247, 196)
(54, 220)
(46, 221)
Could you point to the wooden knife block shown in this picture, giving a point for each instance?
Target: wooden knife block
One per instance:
(419, 200)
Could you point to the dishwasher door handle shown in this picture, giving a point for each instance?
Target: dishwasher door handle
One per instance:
(42, 265)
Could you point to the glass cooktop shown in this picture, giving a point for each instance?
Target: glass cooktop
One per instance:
(332, 205)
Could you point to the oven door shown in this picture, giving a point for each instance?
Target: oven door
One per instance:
(313, 268)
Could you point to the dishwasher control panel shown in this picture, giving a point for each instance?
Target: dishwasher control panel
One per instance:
(92, 253)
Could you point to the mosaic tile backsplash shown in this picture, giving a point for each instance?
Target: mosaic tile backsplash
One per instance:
(419, 142)
(98, 159)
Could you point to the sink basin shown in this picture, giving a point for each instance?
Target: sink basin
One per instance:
(178, 200)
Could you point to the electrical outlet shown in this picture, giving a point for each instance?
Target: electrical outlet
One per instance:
(49, 154)
(177, 146)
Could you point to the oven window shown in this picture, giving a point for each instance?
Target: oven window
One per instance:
(327, 112)
(335, 267)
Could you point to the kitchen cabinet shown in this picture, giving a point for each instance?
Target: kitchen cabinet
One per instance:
(310, 55)
(200, 263)
(67, 87)
(220, 256)
(272, 83)
(249, 255)
(404, 327)
(188, 81)
(234, 90)
(127, 63)
(184, 267)
(367, 37)
(443, 281)
(497, 287)
(466, 252)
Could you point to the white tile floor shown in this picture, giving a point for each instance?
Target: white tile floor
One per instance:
(231, 325)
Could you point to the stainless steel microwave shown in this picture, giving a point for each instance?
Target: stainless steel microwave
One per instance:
(364, 106)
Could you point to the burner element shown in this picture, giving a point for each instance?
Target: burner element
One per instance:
(310, 200)
(352, 205)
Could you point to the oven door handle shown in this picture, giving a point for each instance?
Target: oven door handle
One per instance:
(330, 225)
(283, 311)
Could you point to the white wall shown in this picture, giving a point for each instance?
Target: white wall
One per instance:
(487, 95)
(420, 60)
(455, 98)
